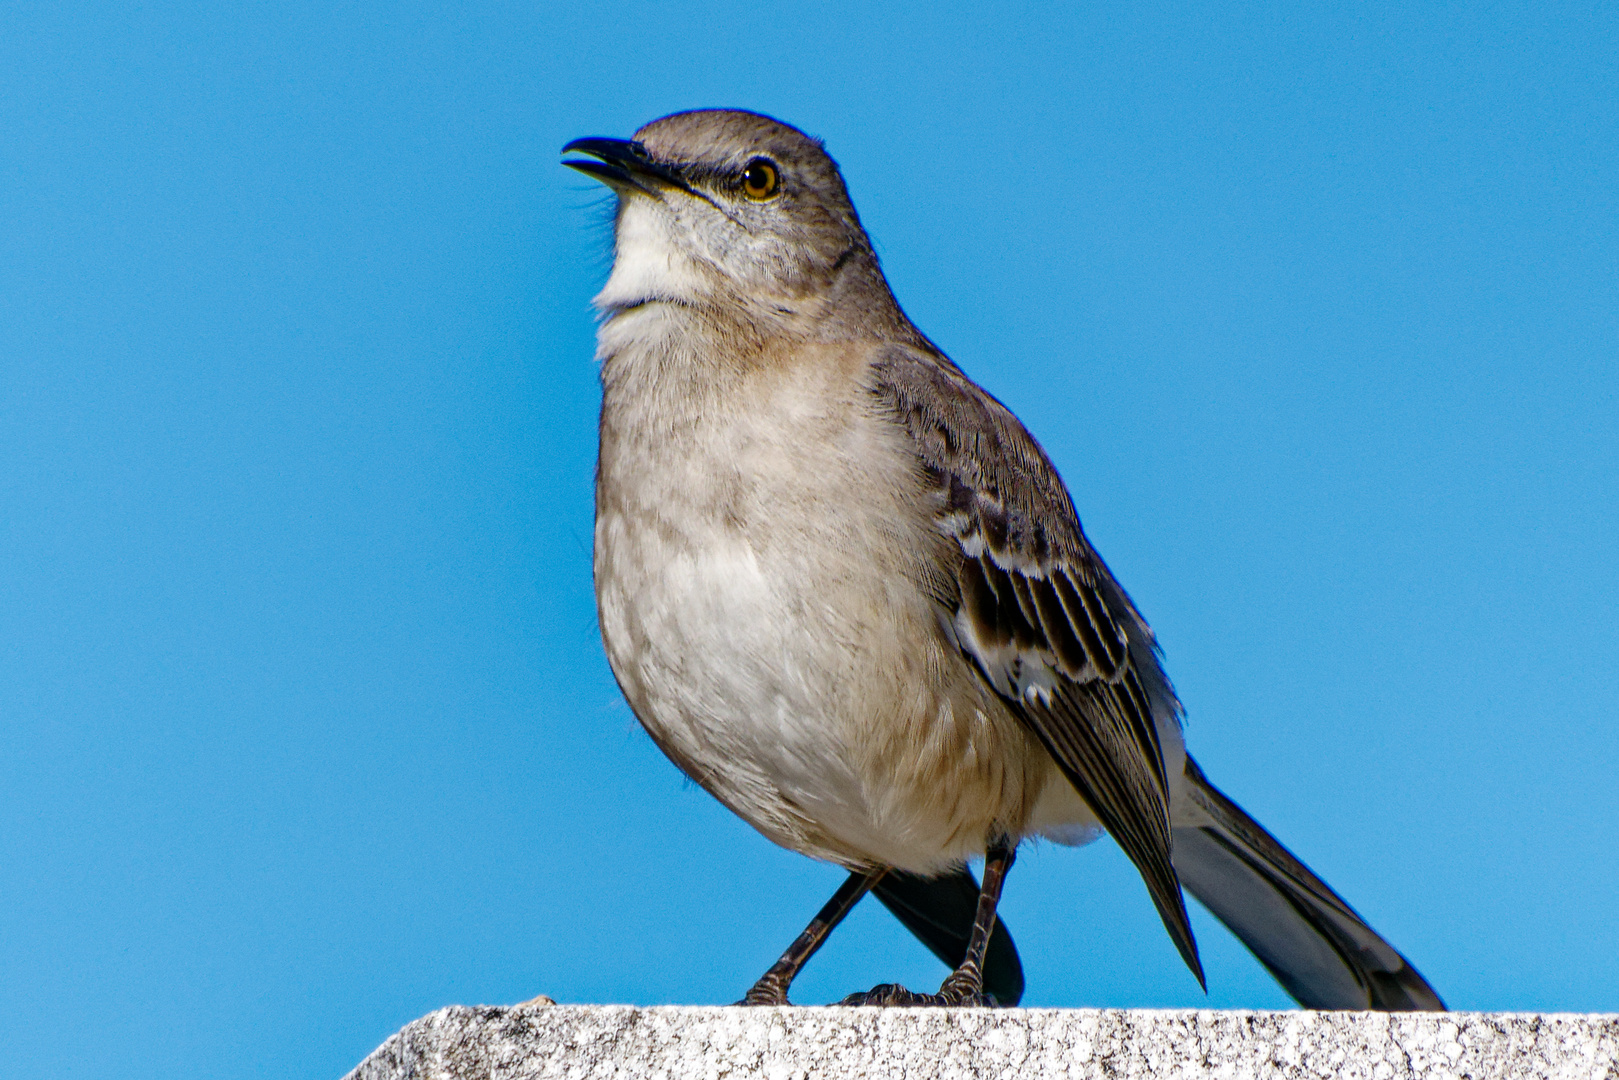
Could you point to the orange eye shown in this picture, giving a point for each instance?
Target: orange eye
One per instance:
(760, 180)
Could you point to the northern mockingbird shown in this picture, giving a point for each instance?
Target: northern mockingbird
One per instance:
(846, 592)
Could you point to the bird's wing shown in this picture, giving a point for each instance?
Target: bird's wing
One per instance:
(1038, 613)
(1322, 953)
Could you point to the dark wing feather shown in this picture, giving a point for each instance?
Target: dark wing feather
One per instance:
(1039, 614)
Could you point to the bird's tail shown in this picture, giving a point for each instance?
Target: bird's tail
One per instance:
(1322, 953)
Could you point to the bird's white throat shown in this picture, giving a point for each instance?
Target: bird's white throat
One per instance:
(650, 258)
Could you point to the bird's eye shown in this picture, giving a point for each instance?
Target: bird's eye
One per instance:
(760, 180)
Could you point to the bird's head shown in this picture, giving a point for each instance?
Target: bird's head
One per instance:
(723, 206)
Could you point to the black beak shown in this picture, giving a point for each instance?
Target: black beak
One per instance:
(623, 162)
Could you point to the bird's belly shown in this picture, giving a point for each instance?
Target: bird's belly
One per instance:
(817, 698)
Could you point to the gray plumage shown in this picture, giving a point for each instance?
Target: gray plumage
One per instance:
(845, 591)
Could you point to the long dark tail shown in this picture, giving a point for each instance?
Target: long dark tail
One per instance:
(1322, 953)
(940, 911)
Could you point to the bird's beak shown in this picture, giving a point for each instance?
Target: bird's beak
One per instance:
(623, 163)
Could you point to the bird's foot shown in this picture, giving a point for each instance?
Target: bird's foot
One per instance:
(767, 991)
(893, 994)
(890, 994)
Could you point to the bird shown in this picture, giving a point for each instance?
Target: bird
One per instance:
(846, 592)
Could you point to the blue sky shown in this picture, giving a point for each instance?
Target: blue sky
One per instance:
(307, 726)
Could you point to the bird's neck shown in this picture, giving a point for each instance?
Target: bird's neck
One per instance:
(685, 359)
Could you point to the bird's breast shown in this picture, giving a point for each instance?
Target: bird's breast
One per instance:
(762, 581)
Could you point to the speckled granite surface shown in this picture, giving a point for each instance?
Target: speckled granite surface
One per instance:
(710, 1043)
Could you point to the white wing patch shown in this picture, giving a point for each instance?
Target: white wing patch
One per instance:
(1023, 675)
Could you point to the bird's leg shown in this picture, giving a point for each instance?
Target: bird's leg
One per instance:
(965, 985)
(771, 989)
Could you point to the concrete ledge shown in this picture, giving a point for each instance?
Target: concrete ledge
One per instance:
(527, 1042)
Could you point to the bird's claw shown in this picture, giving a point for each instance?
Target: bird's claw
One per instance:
(893, 994)
(766, 991)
